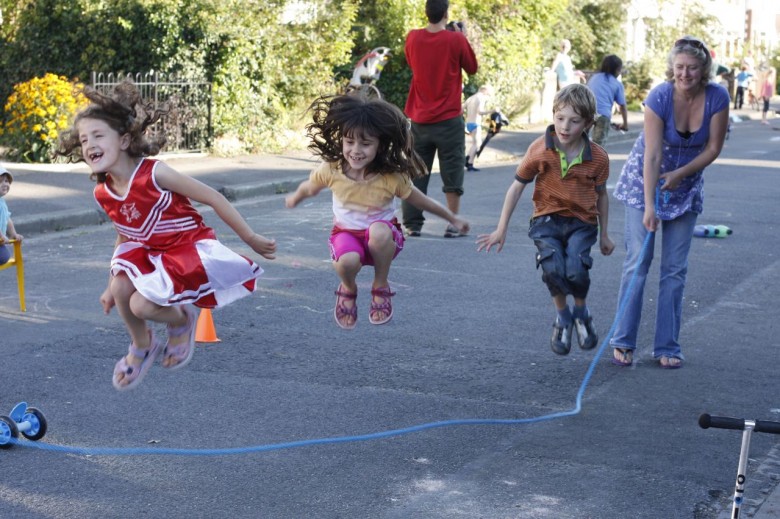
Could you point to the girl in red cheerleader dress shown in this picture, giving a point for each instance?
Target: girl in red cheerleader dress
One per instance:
(166, 259)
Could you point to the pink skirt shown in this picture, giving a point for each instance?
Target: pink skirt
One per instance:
(204, 273)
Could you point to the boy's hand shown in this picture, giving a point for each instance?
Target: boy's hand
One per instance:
(263, 246)
(486, 241)
(17, 237)
(290, 201)
(107, 301)
(606, 245)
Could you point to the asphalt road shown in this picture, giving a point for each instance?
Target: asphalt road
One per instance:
(469, 340)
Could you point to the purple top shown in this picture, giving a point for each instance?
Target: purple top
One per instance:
(677, 151)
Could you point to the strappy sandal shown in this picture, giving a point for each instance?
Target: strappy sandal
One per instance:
(385, 307)
(177, 356)
(622, 357)
(133, 375)
(341, 311)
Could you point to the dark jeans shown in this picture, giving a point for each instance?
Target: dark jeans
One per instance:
(739, 98)
(563, 252)
(446, 139)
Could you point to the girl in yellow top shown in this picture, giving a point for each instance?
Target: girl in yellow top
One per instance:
(368, 164)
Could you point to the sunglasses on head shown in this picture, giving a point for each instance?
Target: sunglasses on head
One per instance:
(696, 44)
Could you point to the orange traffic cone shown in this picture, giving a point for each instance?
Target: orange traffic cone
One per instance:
(204, 330)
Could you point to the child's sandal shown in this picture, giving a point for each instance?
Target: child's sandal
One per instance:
(133, 375)
(383, 309)
(341, 312)
(177, 356)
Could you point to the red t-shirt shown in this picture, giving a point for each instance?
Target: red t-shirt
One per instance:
(436, 60)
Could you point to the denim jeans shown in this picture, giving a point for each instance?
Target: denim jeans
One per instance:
(563, 252)
(676, 236)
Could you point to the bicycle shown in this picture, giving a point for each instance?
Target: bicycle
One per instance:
(367, 71)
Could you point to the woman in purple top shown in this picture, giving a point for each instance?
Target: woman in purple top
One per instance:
(685, 125)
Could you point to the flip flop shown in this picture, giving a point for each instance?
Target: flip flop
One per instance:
(133, 375)
(340, 311)
(181, 353)
(622, 357)
(668, 362)
(386, 306)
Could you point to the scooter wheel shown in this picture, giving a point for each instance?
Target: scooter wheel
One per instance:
(38, 424)
(8, 432)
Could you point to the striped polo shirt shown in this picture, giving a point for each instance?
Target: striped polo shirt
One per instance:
(573, 195)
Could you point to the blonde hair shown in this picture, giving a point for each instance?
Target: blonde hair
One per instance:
(579, 97)
(696, 48)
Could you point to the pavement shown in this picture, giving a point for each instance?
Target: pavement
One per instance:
(50, 198)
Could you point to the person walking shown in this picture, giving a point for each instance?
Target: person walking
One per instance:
(767, 89)
(475, 108)
(743, 83)
(685, 124)
(436, 55)
(608, 90)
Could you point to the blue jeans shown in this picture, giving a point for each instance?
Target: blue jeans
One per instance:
(676, 236)
(563, 253)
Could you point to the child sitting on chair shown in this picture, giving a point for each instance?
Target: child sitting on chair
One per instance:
(7, 230)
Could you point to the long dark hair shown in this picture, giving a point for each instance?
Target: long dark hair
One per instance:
(126, 113)
(336, 117)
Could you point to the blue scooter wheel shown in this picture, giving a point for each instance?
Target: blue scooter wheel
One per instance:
(8, 432)
(38, 424)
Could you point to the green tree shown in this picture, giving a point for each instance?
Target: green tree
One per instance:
(595, 30)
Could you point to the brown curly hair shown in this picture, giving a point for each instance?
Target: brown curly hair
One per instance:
(124, 111)
(336, 117)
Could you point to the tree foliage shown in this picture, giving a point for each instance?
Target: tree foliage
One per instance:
(267, 60)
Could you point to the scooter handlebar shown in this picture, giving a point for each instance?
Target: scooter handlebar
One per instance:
(724, 422)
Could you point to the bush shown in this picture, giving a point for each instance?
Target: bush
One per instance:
(36, 111)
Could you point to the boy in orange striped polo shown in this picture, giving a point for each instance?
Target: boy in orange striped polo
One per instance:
(571, 211)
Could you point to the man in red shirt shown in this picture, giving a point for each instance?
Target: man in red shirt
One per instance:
(436, 55)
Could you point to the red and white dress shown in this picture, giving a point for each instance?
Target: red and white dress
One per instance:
(171, 256)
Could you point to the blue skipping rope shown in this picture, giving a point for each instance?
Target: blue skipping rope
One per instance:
(163, 451)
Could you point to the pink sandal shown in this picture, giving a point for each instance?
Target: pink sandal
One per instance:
(385, 307)
(181, 353)
(133, 375)
(341, 311)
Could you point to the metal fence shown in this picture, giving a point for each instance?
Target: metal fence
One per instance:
(187, 125)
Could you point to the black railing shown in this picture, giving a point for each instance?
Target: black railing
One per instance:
(187, 126)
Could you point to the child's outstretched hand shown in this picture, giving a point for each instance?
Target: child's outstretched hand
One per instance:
(263, 246)
(486, 241)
